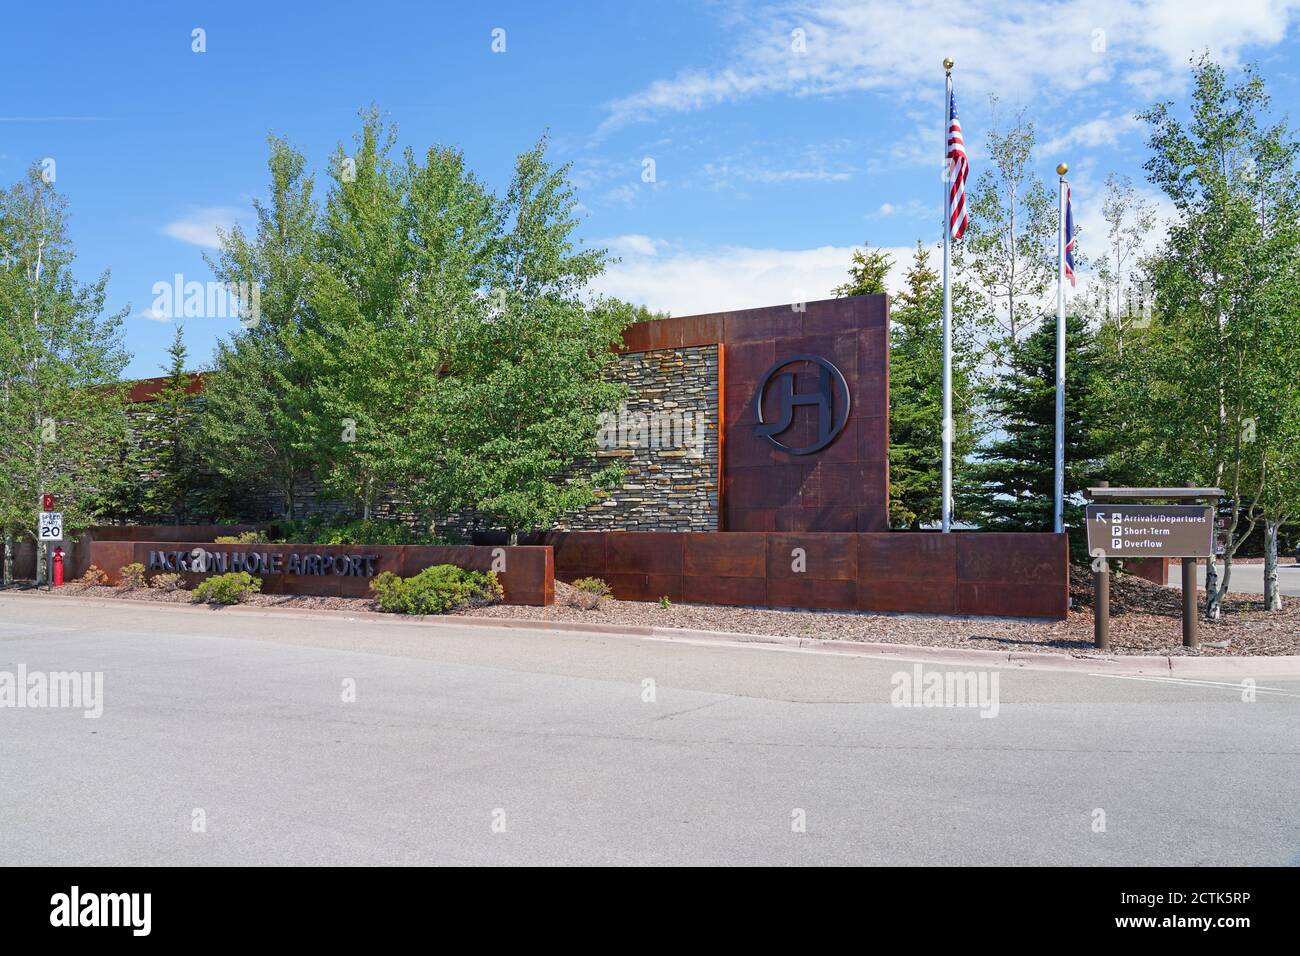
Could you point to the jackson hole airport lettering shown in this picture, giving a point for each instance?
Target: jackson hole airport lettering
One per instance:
(254, 562)
(102, 909)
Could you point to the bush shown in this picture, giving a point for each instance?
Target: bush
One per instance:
(665, 603)
(587, 593)
(367, 532)
(244, 537)
(231, 588)
(166, 582)
(436, 590)
(320, 530)
(132, 575)
(94, 577)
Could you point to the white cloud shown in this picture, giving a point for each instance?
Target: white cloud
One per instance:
(775, 163)
(1016, 47)
(1177, 28)
(688, 282)
(153, 314)
(724, 173)
(625, 195)
(1105, 130)
(912, 209)
(200, 227)
(632, 245)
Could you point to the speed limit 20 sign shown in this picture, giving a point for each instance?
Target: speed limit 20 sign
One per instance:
(51, 526)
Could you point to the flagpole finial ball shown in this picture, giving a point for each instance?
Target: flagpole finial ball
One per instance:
(1062, 169)
(947, 63)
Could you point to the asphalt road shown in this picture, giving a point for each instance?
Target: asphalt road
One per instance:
(241, 717)
(1246, 578)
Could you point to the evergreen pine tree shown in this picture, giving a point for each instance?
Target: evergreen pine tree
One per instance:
(867, 274)
(916, 398)
(167, 438)
(1017, 470)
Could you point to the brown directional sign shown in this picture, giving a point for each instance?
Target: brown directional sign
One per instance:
(1150, 531)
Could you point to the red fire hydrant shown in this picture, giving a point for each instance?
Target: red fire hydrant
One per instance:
(58, 567)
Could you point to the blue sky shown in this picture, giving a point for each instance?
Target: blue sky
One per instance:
(775, 151)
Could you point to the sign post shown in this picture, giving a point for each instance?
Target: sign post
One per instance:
(49, 532)
(1123, 530)
(1190, 636)
(1100, 596)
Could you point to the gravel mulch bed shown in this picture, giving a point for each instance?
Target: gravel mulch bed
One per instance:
(181, 596)
(1145, 619)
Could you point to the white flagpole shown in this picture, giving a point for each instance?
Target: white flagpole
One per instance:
(1058, 497)
(947, 303)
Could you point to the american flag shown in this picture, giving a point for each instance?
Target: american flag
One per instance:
(958, 170)
(1069, 237)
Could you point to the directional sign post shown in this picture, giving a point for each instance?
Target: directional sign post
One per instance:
(1150, 531)
(1118, 529)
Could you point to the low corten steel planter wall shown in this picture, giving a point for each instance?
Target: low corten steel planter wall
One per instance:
(527, 574)
(1155, 570)
(1007, 574)
(77, 551)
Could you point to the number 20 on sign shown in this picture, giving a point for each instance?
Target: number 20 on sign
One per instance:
(51, 526)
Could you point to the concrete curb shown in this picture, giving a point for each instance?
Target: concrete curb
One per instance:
(1117, 664)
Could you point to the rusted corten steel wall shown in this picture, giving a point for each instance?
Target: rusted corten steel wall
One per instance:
(844, 486)
(528, 576)
(1011, 574)
(78, 551)
(1155, 570)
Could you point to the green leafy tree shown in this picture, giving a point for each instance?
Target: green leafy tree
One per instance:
(1129, 222)
(456, 362)
(524, 386)
(361, 344)
(1224, 288)
(1017, 469)
(255, 429)
(1008, 253)
(61, 410)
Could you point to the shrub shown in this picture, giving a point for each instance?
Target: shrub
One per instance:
(94, 576)
(231, 588)
(587, 592)
(436, 590)
(596, 586)
(244, 537)
(322, 530)
(665, 603)
(166, 582)
(132, 575)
